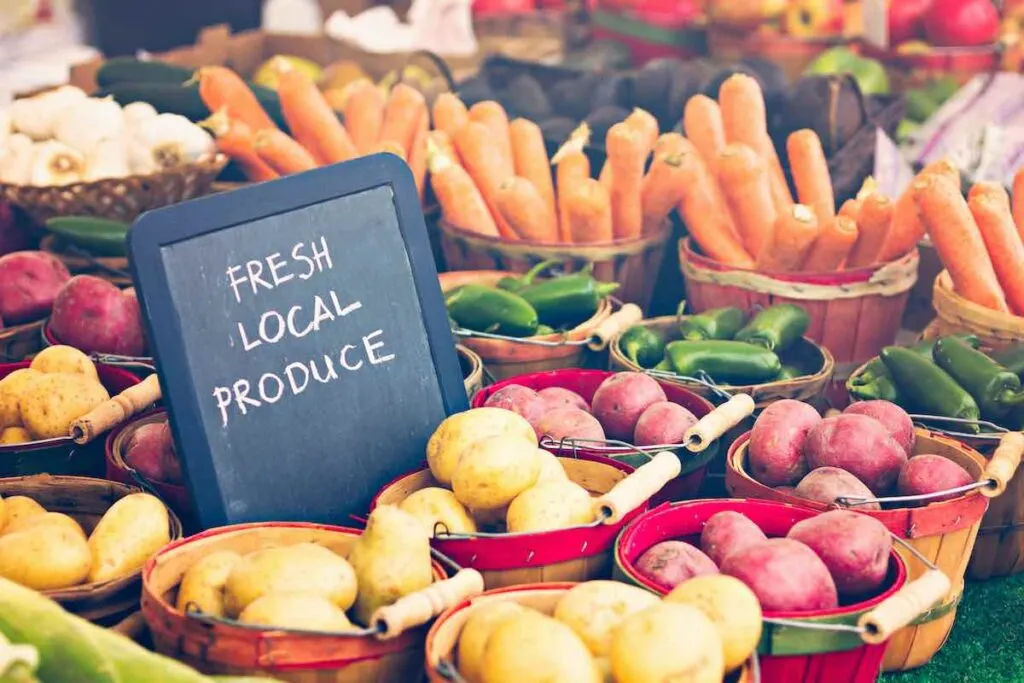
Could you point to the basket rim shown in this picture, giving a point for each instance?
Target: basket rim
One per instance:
(50, 339)
(7, 333)
(50, 241)
(555, 247)
(112, 450)
(943, 291)
(216, 161)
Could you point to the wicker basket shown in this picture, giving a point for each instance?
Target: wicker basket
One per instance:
(119, 199)
(793, 55)
(957, 315)
(472, 370)
(86, 500)
(113, 268)
(20, 342)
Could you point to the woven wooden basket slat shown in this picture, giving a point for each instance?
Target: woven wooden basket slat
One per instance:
(472, 370)
(21, 341)
(956, 315)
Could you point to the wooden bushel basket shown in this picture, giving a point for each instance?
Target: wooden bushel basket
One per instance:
(20, 341)
(793, 653)
(944, 532)
(472, 370)
(221, 647)
(86, 500)
(957, 315)
(444, 634)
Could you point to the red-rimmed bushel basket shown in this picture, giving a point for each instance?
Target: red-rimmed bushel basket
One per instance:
(392, 652)
(943, 532)
(804, 649)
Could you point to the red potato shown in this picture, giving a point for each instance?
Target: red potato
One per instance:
(776, 451)
(669, 563)
(929, 473)
(663, 422)
(726, 533)
(620, 401)
(785, 575)
(825, 484)
(859, 444)
(150, 450)
(557, 397)
(854, 547)
(892, 417)
(521, 400)
(569, 423)
(93, 315)
(29, 282)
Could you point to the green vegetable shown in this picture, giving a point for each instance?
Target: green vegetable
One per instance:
(717, 323)
(544, 329)
(929, 387)
(98, 236)
(486, 309)
(518, 284)
(789, 372)
(568, 300)
(776, 328)
(131, 70)
(880, 388)
(1011, 358)
(184, 99)
(18, 663)
(731, 362)
(664, 366)
(926, 347)
(642, 345)
(995, 389)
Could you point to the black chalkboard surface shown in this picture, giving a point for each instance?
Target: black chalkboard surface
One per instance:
(301, 337)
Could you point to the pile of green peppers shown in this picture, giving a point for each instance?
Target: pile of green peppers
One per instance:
(525, 306)
(723, 344)
(948, 377)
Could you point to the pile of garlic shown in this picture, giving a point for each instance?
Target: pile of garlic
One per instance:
(63, 136)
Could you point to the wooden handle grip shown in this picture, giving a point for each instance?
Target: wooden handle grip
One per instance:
(909, 602)
(718, 422)
(637, 487)
(614, 325)
(420, 607)
(1003, 464)
(110, 414)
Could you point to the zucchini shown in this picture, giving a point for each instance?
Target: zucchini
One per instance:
(131, 70)
(184, 99)
(98, 236)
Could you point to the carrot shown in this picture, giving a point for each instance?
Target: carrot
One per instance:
(832, 246)
(449, 113)
(388, 147)
(627, 153)
(282, 153)
(418, 156)
(312, 121)
(907, 229)
(851, 208)
(572, 167)
(810, 174)
(663, 187)
(958, 241)
(794, 233)
(1018, 202)
(222, 88)
(702, 122)
(588, 213)
(644, 123)
(530, 159)
(523, 208)
(461, 203)
(444, 144)
(402, 113)
(235, 139)
(990, 207)
(707, 216)
(743, 176)
(487, 166)
(867, 188)
(493, 116)
(364, 113)
(873, 222)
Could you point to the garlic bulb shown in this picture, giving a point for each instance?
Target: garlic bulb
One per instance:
(36, 116)
(137, 112)
(6, 126)
(108, 159)
(166, 141)
(84, 125)
(16, 156)
(55, 163)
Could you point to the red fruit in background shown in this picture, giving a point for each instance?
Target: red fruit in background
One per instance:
(906, 20)
(962, 23)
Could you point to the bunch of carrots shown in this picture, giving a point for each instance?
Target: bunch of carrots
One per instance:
(397, 122)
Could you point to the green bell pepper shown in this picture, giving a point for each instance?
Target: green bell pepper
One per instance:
(726, 361)
(642, 345)
(568, 300)
(929, 387)
(487, 309)
(995, 389)
(717, 323)
(776, 328)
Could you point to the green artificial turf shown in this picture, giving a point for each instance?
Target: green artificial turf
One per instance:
(987, 643)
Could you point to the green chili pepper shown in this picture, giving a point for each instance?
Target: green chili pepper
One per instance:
(789, 372)
(99, 236)
(875, 382)
(643, 346)
(929, 387)
(995, 389)
(926, 347)
(544, 329)
(718, 323)
(1011, 358)
(881, 388)
(731, 362)
(486, 309)
(776, 328)
(517, 284)
(664, 366)
(568, 300)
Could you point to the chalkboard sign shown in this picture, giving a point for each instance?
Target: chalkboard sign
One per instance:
(301, 340)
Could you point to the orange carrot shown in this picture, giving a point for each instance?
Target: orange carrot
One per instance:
(627, 153)
(493, 116)
(572, 167)
(588, 213)
(851, 208)
(402, 113)
(832, 246)
(461, 203)
(488, 167)
(450, 114)
(873, 222)
(990, 207)
(530, 159)
(388, 147)
(282, 153)
(644, 123)
(235, 139)
(743, 176)
(907, 229)
(364, 113)
(663, 184)
(312, 121)
(222, 88)
(794, 233)
(958, 241)
(418, 156)
(522, 207)
(702, 121)
(707, 216)
(444, 144)
(810, 174)
(1018, 202)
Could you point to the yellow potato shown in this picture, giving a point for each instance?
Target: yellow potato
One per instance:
(202, 586)
(667, 642)
(495, 470)
(13, 435)
(45, 519)
(44, 558)
(64, 360)
(731, 606)
(550, 468)
(3, 514)
(438, 510)
(127, 535)
(305, 567)
(477, 631)
(18, 507)
(595, 608)
(305, 611)
(550, 505)
(534, 647)
(11, 388)
(453, 436)
(52, 402)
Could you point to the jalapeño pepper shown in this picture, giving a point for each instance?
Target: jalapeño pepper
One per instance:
(517, 284)
(929, 387)
(875, 382)
(567, 300)
(544, 329)
(664, 366)
(643, 346)
(776, 328)
(486, 309)
(731, 362)
(995, 389)
(717, 323)
(789, 372)
(1011, 358)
